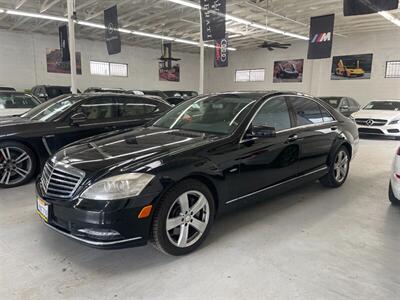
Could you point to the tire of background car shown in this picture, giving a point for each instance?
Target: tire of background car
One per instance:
(183, 218)
(338, 169)
(17, 164)
(392, 198)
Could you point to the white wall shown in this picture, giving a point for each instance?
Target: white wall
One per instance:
(316, 78)
(23, 64)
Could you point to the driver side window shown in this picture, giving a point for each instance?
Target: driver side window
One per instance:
(274, 113)
(97, 109)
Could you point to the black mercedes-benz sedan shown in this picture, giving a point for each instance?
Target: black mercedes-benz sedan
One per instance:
(165, 182)
(27, 141)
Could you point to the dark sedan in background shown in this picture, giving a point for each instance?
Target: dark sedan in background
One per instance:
(344, 105)
(26, 141)
(165, 182)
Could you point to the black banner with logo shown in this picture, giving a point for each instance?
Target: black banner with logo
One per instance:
(64, 45)
(213, 19)
(113, 39)
(321, 37)
(221, 53)
(364, 7)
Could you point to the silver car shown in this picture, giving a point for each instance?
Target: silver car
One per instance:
(394, 187)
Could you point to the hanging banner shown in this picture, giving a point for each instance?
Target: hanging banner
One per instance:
(364, 7)
(213, 19)
(321, 37)
(221, 53)
(64, 45)
(113, 39)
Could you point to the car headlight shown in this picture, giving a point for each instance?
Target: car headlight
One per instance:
(118, 187)
(394, 122)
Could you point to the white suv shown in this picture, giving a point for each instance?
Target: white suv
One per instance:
(394, 187)
(380, 117)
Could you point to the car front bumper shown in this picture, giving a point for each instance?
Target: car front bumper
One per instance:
(87, 222)
(387, 130)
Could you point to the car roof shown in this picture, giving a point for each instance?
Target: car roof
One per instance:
(13, 92)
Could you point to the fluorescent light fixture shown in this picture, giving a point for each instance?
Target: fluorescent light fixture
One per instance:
(187, 42)
(213, 46)
(154, 36)
(1, 10)
(390, 17)
(34, 15)
(124, 30)
(90, 24)
(243, 21)
(186, 3)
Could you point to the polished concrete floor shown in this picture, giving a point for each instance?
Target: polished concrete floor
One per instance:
(312, 243)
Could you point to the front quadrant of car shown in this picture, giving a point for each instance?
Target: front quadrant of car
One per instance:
(394, 187)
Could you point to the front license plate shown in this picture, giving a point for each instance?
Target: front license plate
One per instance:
(43, 209)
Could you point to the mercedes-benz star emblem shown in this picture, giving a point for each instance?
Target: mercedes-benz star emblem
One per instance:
(370, 122)
(110, 28)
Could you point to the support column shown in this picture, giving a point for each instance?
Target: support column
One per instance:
(71, 40)
(201, 79)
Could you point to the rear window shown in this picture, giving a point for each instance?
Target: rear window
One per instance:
(332, 101)
(56, 91)
(9, 101)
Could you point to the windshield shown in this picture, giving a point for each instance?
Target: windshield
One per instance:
(383, 105)
(332, 101)
(52, 109)
(220, 114)
(14, 101)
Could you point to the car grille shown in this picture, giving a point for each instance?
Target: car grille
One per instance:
(370, 131)
(60, 180)
(371, 122)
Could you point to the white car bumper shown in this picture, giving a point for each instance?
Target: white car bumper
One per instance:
(395, 178)
(385, 130)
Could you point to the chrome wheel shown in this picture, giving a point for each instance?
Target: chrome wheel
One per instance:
(187, 219)
(15, 165)
(341, 166)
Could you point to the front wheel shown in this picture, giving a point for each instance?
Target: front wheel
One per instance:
(183, 218)
(338, 169)
(392, 197)
(17, 164)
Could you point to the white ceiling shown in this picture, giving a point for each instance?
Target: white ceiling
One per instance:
(166, 18)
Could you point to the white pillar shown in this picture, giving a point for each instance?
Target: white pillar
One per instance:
(201, 79)
(71, 38)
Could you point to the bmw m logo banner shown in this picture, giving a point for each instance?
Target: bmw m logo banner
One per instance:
(64, 45)
(113, 39)
(364, 7)
(221, 53)
(321, 37)
(213, 19)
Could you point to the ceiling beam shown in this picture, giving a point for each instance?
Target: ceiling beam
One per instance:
(47, 5)
(19, 3)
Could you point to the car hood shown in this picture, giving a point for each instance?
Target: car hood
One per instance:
(14, 120)
(12, 111)
(377, 114)
(139, 148)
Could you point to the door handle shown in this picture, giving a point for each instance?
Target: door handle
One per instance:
(293, 138)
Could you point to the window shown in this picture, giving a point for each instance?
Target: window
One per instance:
(392, 69)
(307, 111)
(132, 107)
(108, 69)
(274, 113)
(98, 109)
(17, 101)
(253, 75)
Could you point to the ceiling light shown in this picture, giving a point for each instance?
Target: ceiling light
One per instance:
(90, 24)
(187, 42)
(186, 3)
(238, 20)
(151, 35)
(1, 10)
(390, 17)
(34, 15)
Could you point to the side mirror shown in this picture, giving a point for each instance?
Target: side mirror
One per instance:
(43, 96)
(78, 118)
(344, 108)
(261, 132)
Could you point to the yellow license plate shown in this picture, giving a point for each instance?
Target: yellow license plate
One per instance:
(43, 209)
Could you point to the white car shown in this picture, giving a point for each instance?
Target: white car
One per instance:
(394, 187)
(381, 117)
(14, 103)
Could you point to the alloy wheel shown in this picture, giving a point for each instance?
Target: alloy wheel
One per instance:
(341, 166)
(187, 219)
(15, 165)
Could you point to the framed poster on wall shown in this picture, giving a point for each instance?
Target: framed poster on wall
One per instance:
(56, 65)
(288, 70)
(348, 67)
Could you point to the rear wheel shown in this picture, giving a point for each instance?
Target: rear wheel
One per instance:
(183, 218)
(338, 170)
(17, 164)
(392, 197)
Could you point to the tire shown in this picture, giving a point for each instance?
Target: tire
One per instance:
(392, 197)
(173, 241)
(332, 179)
(17, 164)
